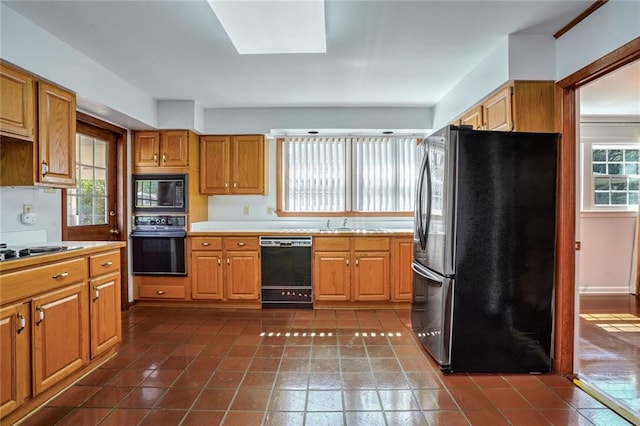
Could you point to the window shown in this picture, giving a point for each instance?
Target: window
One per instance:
(344, 174)
(611, 176)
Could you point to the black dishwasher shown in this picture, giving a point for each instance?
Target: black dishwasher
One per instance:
(286, 272)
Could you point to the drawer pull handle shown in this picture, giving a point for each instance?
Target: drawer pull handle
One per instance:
(62, 275)
(155, 158)
(40, 312)
(206, 244)
(21, 322)
(219, 261)
(228, 261)
(164, 157)
(107, 264)
(160, 292)
(357, 261)
(242, 244)
(347, 262)
(235, 184)
(96, 293)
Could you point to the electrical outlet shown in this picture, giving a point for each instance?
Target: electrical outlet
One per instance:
(270, 210)
(27, 208)
(245, 210)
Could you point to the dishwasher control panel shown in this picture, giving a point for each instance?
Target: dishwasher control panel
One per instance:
(285, 241)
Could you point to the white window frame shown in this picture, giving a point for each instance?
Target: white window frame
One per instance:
(588, 179)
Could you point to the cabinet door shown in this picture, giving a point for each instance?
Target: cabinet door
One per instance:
(247, 165)
(146, 148)
(206, 275)
(331, 276)
(106, 324)
(497, 112)
(60, 335)
(473, 118)
(243, 275)
(17, 104)
(214, 164)
(371, 276)
(56, 135)
(15, 353)
(402, 255)
(174, 146)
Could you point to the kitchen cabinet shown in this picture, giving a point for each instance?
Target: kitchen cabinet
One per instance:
(166, 151)
(402, 278)
(242, 274)
(60, 334)
(38, 144)
(17, 103)
(351, 269)
(521, 106)
(207, 268)
(104, 304)
(15, 353)
(232, 164)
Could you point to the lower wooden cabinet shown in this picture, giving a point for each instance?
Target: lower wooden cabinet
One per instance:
(206, 275)
(243, 275)
(332, 276)
(60, 334)
(15, 355)
(371, 276)
(402, 277)
(106, 324)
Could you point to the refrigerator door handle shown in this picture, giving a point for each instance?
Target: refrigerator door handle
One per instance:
(430, 195)
(421, 230)
(434, 279)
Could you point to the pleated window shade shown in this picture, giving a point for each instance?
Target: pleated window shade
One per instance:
(342, 174)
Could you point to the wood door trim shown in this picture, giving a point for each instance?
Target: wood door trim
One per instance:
(568, 121)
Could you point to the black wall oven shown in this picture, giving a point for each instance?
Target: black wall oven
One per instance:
(159, 245)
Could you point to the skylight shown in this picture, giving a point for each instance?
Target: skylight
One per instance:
(270, 27)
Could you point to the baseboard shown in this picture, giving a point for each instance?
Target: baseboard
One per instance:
(606, 290)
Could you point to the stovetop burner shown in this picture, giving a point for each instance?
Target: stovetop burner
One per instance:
(16, 253)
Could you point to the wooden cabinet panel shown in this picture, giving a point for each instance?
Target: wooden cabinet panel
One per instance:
(241, 243)
(175, 148)
(232, 164)
(104, 263)
(371, 276)
(332, 243)
(332, 276)
(206, 243)
(106, 324)
(402, 280)
(473, 118)
(60, 335)
(146, 148)
(56, 135)
(243, 275)
(161, 291)
(17, 104)
(15, 354)
(497, 111)
(247, 164)
(207, 275)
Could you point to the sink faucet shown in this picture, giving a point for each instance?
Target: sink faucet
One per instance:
(329, 224)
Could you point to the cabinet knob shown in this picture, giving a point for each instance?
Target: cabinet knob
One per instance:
(160, 292)
(44, 168)
(347, 262)
(155, 158)
(226, 185)
(40, 313)
(235, 184)
(96, 293)
(164, 157)
(219, 261)
(21, 322)
(357, 261)
(206, 244)
(242, 244)
(228, 261)
(62, 275)
(107, 264)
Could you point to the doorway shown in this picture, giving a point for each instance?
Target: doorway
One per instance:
(95, 209)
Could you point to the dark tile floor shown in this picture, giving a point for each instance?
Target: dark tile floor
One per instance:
(184, 366)
(610, 347)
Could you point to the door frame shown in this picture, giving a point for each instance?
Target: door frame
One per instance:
(568, 122)
(120, 135)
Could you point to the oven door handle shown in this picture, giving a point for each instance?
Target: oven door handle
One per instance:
(158, 234)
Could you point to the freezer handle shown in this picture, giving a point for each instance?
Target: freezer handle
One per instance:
(434, 279)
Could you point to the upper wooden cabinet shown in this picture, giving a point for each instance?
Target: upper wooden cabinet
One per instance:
(232, 164)
(168, 149)
(17, 104)
(521, 106)
(42, 155)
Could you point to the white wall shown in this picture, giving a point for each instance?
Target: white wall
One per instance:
(606, 252)
(262, 120)
(45, 202)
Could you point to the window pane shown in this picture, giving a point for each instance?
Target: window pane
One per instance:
(599, 155)
(619, 184)
(619, 198)
(602, 198)
(86, 150)
(614, 155)
(599, 168)
(631, 155)
(633, 183)
(615, 169)
(633, 198)
(602, 183)
(631, 169)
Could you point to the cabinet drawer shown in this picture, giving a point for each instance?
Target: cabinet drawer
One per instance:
(25, 283)
(151, 291)
(371, 243)
(105, 263)
(206, 243)
(241, 243)
(331, 243)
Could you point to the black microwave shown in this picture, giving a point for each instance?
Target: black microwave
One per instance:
(160, 193)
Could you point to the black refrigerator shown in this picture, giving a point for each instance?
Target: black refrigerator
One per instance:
(484, 250)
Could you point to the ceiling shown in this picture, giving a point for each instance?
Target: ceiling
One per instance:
(379, 53)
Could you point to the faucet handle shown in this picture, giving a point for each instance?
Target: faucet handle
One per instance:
(329, 224)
